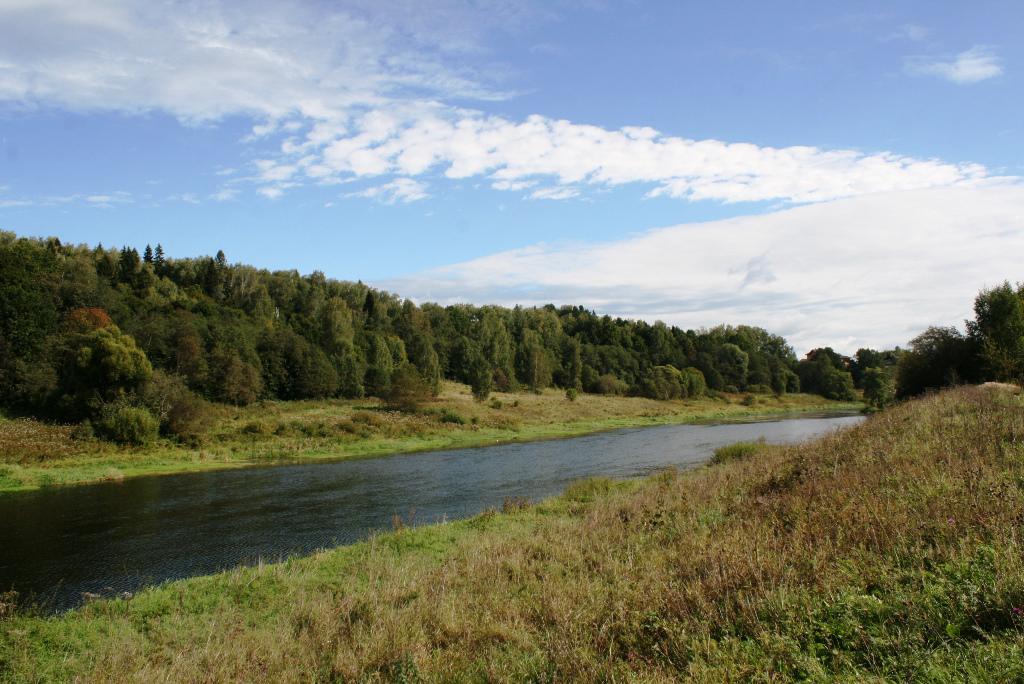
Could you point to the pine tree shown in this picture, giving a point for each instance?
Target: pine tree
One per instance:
(158, 260)
(147, 255)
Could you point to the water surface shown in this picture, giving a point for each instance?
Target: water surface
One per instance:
(111, 537)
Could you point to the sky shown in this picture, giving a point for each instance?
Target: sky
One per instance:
(843, 174)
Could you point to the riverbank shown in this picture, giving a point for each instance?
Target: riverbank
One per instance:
(34, 455)
(887, 551)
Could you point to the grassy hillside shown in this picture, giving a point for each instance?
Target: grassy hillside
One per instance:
(889, 551)
(33, 454)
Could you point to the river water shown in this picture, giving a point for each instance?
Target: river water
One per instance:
(112, 537)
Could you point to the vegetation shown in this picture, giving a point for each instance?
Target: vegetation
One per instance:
(890, 551)
(84, 329)
(36, 453)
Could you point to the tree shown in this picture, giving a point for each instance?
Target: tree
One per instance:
(100, 365)
(938, 357)
(147, 255)
(408, 389)
(824, 372)
(158, 260)
(998, 330)
(732, 362)
(879, 387)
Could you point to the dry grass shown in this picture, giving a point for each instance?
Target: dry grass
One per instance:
(888, 551)
(29, 441)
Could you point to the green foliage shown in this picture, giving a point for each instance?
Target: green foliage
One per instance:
(938, 357)
(738, 451)
(668, 382)
(179, 410)
(825, 372)
(998, 329)
(103, 364)
(583, 491)
(449, 416)
(124, 423)
(408, 389)
(81, 326)
(879, 387)
(571, 394)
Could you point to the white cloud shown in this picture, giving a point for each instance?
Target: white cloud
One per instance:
(866, 271)
(362, 91)
(559, 193)
(270, 191)
(399, 190)
(224, 195)
(102, 201)
(970, 66)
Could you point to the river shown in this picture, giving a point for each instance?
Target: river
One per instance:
(107, 538)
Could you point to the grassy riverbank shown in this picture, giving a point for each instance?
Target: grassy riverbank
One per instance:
(888, 551)
(33, 454)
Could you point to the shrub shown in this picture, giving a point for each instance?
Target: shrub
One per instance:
(608, 384)
(571, 394)
(449, 416)
(589, 489)
(258, 427)
(180, 411)
(126, 424)
(367, 418)
(749, 400)
(879, 387)
(408, 389)
(83, 432)
(737, 451)
(668, 382)
(496, 403)
(760, 389)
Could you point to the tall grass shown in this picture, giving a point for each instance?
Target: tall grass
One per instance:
(890, 551)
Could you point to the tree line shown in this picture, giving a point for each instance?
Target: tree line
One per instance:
(128, 342)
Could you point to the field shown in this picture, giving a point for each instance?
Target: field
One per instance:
(34, 454)
(888, 551)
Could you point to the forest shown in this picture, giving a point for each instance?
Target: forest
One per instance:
(129, 345)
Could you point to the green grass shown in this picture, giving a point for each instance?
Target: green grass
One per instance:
(887, 552)
(34, 455)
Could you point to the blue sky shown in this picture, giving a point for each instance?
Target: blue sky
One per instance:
(508, 151)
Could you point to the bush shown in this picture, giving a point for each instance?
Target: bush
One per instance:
(668, 382)
(583, 491)
(126, 424)
(737, 451)
(449, 416)
(761, 389)
(408, 389)
(367, 418)
(83, 432)
(181, 412)
(608, 384)
(496, 403)
(258, 427)
(571, 394)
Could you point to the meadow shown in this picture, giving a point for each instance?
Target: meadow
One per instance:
(889, 551)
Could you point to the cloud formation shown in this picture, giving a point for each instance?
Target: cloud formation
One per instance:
(357, 92)
(399, 190)
(970, 66)
(865, 271)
